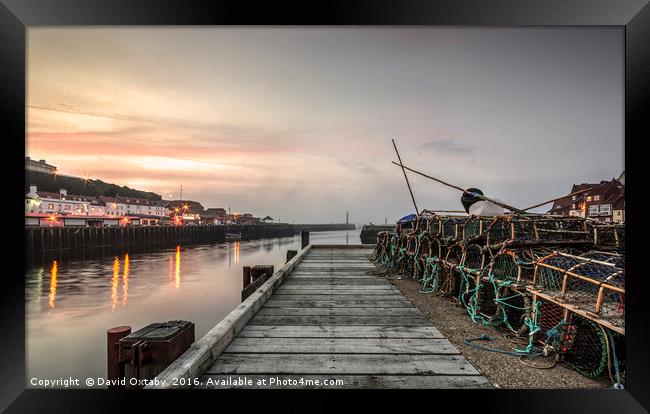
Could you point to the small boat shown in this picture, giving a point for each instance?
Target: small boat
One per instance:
(233, 236)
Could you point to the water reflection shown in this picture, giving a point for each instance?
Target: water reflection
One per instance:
(233, 252)
(177, 272)
(39, 288)
(125, 280)
(116, 281)
(53, 283)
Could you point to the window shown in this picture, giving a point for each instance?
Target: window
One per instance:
(573, 206)
(67, 207)
(606, 208)
(51, 206)
(593, 210)
(588, 198)
(573, 198)
(596, 197)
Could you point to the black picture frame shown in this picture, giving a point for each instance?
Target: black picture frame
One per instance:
(16, 16)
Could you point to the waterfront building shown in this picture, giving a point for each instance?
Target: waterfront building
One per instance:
(57, 203)
(605, 201)
(149, 211)
(62, 209)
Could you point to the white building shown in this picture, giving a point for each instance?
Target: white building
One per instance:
(149, 211)
(58, 203)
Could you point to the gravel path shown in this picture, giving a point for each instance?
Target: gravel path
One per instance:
(503, 371)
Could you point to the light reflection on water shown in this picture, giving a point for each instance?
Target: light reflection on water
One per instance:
(84, 298)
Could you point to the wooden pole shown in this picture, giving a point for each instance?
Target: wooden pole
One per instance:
(481, 197)
(304, 236)
(291, 254)
(114, 368)
(405, 177)
(556, 199)
(246, 270)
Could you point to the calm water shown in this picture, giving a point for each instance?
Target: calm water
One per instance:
(71, 304)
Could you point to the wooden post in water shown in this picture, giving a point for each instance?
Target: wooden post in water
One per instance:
(246, 276)
(113, 337)
(291, 254)
(304, 237)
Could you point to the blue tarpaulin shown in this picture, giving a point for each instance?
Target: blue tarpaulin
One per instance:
(407, 219)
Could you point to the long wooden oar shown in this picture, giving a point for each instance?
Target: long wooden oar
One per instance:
(480, 197)
(556, 199)
(405, 177)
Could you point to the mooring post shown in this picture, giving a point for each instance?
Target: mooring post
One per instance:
(304, 235)
(247, 275)
(113, 337)
(291, 254)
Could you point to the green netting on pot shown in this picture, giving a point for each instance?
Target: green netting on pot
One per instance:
(474, 258)
(583, 346)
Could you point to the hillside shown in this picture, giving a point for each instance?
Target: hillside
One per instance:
(76, 185)
(193, 206)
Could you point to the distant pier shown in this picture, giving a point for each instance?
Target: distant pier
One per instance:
(297, 228)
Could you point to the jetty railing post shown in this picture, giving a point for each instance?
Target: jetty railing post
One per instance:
(246, 275)
(304, 236)
(291, 254)
(113, 336)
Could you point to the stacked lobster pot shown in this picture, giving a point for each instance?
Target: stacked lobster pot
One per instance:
(558, 282)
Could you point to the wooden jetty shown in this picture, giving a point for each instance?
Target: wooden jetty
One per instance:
(326, 315)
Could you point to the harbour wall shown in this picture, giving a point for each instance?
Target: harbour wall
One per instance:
(369, 233)
(47, 242)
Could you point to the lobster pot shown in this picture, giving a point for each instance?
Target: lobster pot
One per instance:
(484, 300)
(433, 225)
(560, 229)
(544, 229)
(584, 281)
(466, 288)
(610, 236)
(515, 304)
(584, 347)
(383, 238)
(400, 252)
(455, 254)
(509, 266)
(450, 229)
(393, 253)
(499, 231)
(438, 248)
(425, 251)
(474, 227)
(548, 316)
(473, 259)
(449, 281)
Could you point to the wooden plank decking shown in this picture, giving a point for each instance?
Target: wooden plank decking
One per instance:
(331, 318)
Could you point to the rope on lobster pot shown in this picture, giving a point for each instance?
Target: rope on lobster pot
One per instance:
(617, 385)
(486, 337)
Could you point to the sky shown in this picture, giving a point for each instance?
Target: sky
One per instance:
(296, 123)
